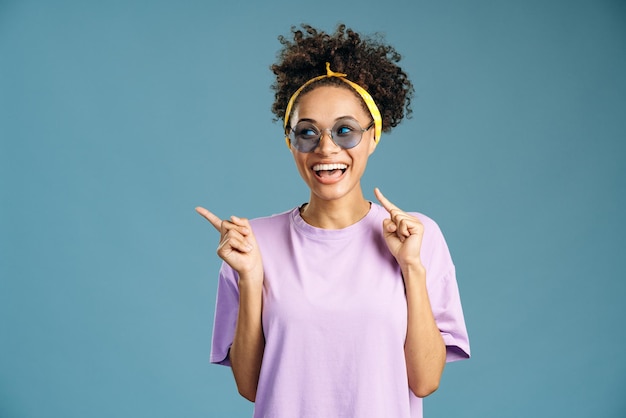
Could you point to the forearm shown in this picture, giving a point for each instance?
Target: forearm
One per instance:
(246, 352)
(424, 348)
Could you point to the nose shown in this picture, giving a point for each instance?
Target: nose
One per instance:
(326, 144)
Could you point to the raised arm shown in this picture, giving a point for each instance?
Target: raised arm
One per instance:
(424, 349)
(238, 248)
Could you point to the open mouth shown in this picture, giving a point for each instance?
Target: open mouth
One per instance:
(329, 171)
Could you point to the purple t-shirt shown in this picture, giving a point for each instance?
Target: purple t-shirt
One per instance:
(335, 318)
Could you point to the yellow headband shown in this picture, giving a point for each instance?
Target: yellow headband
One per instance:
(362, 92)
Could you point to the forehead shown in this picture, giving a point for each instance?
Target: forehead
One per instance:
(330, 101)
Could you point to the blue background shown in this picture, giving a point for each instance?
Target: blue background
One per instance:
(117, 118)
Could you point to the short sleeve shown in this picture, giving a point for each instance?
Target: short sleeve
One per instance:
(226, 309)
(449, 318)
(443, 292)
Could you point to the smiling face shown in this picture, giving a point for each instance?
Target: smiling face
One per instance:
(331, 172)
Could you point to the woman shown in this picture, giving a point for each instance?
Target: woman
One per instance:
(340, 307)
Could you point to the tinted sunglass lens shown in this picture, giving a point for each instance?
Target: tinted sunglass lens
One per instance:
(347, 134)
(304, 137)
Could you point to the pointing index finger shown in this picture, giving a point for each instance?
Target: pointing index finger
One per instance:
(384, 201)
(212, 218)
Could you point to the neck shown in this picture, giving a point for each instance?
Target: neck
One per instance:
(334, 214)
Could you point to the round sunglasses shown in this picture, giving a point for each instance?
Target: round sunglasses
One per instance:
(346, 133)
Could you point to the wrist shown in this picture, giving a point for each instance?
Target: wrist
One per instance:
(414, 272)
(251, 279)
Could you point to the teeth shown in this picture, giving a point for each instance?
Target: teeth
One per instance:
(329, 167)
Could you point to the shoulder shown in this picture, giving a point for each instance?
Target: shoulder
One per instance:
(272, 223)
(433, 240)
(431, 228)
(280, 217)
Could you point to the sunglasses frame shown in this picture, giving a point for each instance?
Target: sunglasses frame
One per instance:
(291, 133)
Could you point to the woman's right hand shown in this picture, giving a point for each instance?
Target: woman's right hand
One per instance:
(239, 249)
(237, 246)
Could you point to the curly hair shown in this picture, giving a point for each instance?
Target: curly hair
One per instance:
(367, 61)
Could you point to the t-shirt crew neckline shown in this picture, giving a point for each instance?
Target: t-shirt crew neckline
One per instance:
(311, 231)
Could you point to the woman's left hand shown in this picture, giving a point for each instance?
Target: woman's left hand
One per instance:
(403, 234)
